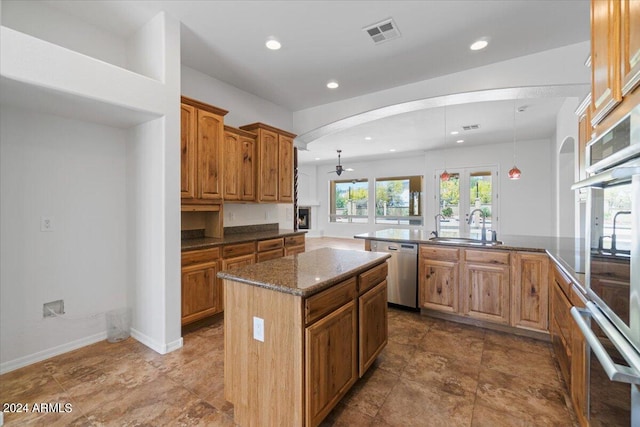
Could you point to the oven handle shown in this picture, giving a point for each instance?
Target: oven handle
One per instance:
(614, 371)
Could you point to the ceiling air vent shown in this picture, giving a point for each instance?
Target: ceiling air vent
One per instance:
(471, 127)
(383, 31)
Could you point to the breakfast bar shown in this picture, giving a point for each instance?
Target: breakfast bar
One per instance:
(299, 331)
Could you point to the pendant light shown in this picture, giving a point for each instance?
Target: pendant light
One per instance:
(444, 176)
(514, 172)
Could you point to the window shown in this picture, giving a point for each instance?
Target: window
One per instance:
(349, 200)
(479, 185)
(399, 200)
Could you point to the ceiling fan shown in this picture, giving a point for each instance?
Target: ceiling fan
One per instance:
(339, 167)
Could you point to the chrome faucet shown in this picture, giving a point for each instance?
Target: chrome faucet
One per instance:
(613, 233)
(483, 234)
(437, 232)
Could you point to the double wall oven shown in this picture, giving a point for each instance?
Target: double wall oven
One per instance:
(611, 320)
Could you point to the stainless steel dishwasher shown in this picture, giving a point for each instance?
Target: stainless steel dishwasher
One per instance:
(402, 280)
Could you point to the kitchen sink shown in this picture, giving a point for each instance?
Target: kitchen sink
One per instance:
(465, 241)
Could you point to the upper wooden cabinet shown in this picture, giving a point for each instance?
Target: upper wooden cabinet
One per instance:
(615, 58)
(605, 54)
(201, 173)
(630, 44)
(274, 164)
(239, 155)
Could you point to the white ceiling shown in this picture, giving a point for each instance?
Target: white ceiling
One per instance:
(324, 40)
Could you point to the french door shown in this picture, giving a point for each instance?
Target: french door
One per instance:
(464, 191)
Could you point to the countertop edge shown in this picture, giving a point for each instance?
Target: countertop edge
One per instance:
(317, 288)
(239, 238)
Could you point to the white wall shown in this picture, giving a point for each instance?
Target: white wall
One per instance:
(48, 23)
(566, 164)
(74, 172)
(523, 204)
(114, 192)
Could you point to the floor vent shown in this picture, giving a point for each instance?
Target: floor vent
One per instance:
(383, 31)
(471, 127)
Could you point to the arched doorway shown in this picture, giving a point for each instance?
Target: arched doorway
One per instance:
(566, 198)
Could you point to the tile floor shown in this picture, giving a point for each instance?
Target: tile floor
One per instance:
(432, 373)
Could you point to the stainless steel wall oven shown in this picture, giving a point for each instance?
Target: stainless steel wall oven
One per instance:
(611, 320)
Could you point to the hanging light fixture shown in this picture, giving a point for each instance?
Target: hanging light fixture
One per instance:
(444, 176)
(514, 172)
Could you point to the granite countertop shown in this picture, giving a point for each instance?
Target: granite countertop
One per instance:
(210, 242)
(568, 253)
(306, 273)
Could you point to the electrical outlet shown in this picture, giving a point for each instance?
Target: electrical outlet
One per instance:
(56, 306)
(46, 223)
(258, 329)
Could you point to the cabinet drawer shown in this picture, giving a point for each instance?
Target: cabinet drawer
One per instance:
(372, 277)
(292, 250)
(296, 240)
(442, 254)
(562, 281)
(200, 256)
(267, 245)
(325, 302)
(488, 256)
(238, 249)
(272, 254)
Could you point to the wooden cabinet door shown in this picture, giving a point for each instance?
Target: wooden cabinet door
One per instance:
(373, 326)
(578, 367)
(331, 361)
(268, 166)
(188, 156)
(285, 169)
(438, 285)
(237, 262)
(605, 58)
(210, 136)
(560, 329)
(201, 292)
(248, 169)
(630, 44)
(530, 290)
(486, 292)
(232, 157)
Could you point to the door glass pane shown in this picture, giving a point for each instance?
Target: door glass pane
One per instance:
(480, 197)
(450, 206)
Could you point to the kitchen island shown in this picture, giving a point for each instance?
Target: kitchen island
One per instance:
(299, 332)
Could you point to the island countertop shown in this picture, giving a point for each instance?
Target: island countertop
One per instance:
(307, 273)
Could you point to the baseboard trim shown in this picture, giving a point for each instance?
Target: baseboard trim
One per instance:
(154, 345)
(21, 362)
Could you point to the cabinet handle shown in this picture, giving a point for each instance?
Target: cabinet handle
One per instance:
(614, 371)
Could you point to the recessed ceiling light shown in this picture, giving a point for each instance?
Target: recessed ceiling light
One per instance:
(332, 84)
(367, 138)
(392, 149)
(460, 141)
(479, 44)
(317, 158)
(273, 44)
(454, 132)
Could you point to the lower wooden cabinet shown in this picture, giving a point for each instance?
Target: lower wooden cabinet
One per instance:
(530, 290)
(578, 367)
(485, 285)
(373, 327)
(312, 355)
(294, 244)
(491, 285)
(201, 290)
(438, 272)
(331, 345)
(568, 342)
